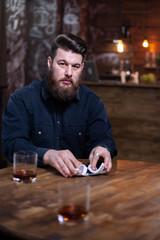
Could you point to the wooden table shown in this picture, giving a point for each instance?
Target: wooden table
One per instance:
(125, 205)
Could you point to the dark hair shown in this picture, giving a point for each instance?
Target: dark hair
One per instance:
(71, 42)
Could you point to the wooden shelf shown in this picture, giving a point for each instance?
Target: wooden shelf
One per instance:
(152, 67)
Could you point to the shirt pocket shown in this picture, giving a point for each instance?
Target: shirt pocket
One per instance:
(75, 130)
(75, 134)
(42, 135)
(75, 138)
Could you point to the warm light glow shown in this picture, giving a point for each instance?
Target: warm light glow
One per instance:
(120, 47)
(145, 43)
(152, 47)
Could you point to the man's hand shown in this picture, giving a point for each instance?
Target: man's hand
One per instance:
(98, 152)
(63, 160)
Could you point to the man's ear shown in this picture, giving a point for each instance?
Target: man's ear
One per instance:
(82, 66)
(49, 62)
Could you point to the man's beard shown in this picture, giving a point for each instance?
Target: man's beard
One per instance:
(62, 93)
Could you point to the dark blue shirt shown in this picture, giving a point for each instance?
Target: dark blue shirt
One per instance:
(34, 120)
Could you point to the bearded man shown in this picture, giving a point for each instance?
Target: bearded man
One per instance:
(59, 118)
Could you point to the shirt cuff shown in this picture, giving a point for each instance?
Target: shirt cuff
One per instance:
(41, 152)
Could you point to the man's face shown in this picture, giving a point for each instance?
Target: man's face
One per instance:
(65, 73)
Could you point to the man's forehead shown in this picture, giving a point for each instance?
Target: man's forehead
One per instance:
(68, 55)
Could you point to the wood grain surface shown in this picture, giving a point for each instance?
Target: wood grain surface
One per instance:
(124, 205)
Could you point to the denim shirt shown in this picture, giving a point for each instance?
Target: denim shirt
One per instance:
(34, 120)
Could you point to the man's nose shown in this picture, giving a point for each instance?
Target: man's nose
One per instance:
(68, 72)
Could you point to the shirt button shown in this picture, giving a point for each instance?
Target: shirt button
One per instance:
(39, 133)
(57, 138)
(58, 122)
(79, 133)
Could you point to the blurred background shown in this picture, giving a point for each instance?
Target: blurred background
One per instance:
(27, 28)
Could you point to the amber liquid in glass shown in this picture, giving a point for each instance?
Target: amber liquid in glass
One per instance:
(75, 213)
(24, 175)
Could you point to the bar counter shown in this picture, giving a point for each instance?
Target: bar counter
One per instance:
(123, 205)
(134, 111)
(119, 84)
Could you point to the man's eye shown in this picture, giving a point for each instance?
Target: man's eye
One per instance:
(76, 66)
(62, 64)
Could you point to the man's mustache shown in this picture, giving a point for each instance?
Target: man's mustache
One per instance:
(66, 79)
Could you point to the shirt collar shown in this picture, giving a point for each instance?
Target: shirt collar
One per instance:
(46, 94)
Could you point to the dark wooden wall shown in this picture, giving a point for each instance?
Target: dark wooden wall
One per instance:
(42, 18)
(2, 68)
(16, 44)
(134, 114)
(2, 45)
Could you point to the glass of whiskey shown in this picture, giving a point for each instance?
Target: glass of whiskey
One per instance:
(73, 203)
(25, 166)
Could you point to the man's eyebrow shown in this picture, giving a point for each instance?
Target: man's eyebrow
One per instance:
(63, 60)
(77, 64)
